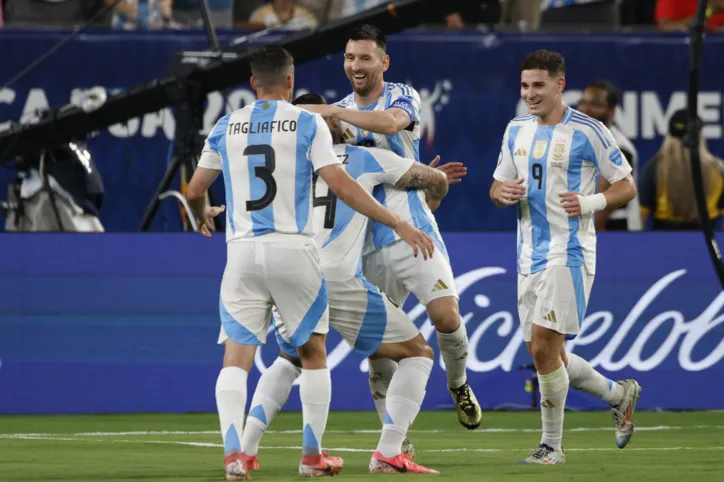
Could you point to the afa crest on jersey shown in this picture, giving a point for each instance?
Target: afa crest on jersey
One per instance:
(539, 149)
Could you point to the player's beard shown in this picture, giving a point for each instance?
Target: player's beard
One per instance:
(366, 88)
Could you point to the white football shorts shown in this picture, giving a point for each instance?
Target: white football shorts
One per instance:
(363, 316)
(555, 298)
(260, 274)
(398, 272)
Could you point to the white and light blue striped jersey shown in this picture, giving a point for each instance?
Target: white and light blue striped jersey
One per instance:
(407, 204)
(340, 230)
(552, 160)
(268, 152)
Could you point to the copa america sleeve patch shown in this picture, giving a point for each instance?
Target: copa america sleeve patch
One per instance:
(616, 157)
(405, 103)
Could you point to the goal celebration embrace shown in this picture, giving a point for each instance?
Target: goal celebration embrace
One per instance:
(274, 240)
(342, 194)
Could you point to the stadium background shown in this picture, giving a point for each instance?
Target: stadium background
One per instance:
(126, 322)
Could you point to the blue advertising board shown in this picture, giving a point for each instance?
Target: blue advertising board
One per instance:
(468, 82)
(129, 323)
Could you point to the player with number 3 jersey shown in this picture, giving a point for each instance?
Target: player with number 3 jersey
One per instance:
(368, 321)
(268, 152)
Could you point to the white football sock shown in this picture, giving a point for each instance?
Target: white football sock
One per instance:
(553, 390)
(272, 392)
(230, 403)
(315, 391)
(584, 377)
(404, 398)
(381, 372)
(454, 349)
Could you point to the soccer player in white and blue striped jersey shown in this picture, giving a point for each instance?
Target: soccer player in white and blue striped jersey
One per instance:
(548, 166)
(387, 115)
(268, 152)
(368, 321)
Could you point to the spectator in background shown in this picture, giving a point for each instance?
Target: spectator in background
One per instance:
(523, 14)
(1, 12)
(141, 14)
(283, 14)
(477, 12)
(579, 12)
(676, 15)
(188, 14)
(599, 100)
(666, 187)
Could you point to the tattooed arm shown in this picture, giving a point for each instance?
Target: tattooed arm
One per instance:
(420, 176)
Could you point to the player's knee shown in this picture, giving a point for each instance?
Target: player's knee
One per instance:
(444, 314)
(425, 351)
(540, 351)
(237, 355)
(418, 347)
(292, 359)
(313, 353)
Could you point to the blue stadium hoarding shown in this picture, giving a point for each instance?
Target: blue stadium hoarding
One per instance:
(129, 322)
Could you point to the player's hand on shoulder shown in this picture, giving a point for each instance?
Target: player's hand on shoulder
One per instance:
(510, 192)
(206, 225)
(455, 171)
(571, 203)
(415, 238)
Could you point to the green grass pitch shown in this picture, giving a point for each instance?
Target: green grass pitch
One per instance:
(685, 446)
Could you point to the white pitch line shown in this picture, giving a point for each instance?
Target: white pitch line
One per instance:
(370, 450)
(485, 430)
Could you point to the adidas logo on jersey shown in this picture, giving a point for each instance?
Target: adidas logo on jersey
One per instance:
(551, 317)
(521, 152)
(439, 286)
(348, 134)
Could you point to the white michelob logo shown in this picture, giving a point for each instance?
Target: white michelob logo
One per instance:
(596, 326)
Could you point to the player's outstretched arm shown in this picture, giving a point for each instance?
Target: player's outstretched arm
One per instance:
(425, 177)
(388, 122)
(620, 192)
(504, 194)
(353, 195)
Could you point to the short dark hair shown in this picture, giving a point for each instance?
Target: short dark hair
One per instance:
(548, 60)
(369, 32)
(311, 99)
(270, 65)
(613, 95)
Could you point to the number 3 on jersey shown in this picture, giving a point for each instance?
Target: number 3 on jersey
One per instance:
(265, 173)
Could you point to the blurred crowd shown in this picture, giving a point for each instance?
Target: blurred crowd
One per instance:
(668, 15)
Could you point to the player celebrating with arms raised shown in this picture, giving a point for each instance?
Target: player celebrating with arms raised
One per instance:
(548, 166)
(387, 115)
